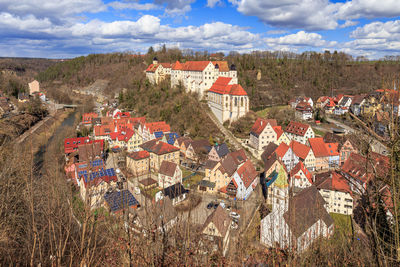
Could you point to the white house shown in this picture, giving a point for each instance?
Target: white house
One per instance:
(304, 111)
(169, 174)
(199, 76)
(262, 133)
(299, 132)
(245, 179)
(295, 222)
(336, 192)
(176, 193)
(287, 156)
(300, 177)
(227, 100)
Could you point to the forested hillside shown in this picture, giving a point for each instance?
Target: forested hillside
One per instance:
(268, 78)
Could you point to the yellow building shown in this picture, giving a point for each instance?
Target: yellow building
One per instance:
(160, 151)
(138, 163)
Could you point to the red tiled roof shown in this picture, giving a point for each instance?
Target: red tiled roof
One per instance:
(138, 155)
(332, 149)
(278, 130)
(158, 147)
(122, 115)
(282, 149)
(300, 167)
(222, 86)
(152, 68)
(260, 125)
(123, 135)
(166, 65)
(223, 65)
(332, 181)
(339, 183)
(177, 66)
(194, 65)
(300, 149)
(303, 106)
(102, 130)
(297, 128)
(247, 173)
(71, 144)
(318, 146)
(160, 126)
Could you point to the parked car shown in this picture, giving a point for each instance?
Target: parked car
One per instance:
(216, 205)
(234, 215)
(228, 208)
(210, 205)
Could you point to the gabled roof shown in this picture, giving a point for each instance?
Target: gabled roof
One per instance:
(305, 209)
(297, 128)
(119, 200)
(222, 150)
(94, 178)
(300, 167)
(247, 173)
(184, 139)
(171, 137)
(357, 99)
(223, 65)
(304, 107)
(333, 181)
(71, 144)
(231, 162)
(122, 135)
(278, 130)
(90, 150)
(268, 151)
(221, 220)
(332, 149)
(152, 67)
(138, 155)
(194, 65)
(361, 169)
(167, 168)
(299, 149)
(221, 86)
(201, 146)
(174, 191)
(282, 149)
(260, 125)
(158, 147)
(319, 147)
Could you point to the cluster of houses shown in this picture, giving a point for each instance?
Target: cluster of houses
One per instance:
(306, 178)
(214, 80)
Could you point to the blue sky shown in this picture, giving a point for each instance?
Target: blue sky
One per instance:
(70, 28)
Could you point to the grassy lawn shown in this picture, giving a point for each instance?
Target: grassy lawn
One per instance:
(263, 113)
(151, 192)
(342, 225)
(194, 180)
(185, 172)
(318, 132)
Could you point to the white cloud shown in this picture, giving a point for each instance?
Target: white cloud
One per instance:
(307, 14)
(133, 5)
(213, 3)
(369, 9)
(273, 32)
(176, 7)
(300, 38)
(58, 10)
(316, 14)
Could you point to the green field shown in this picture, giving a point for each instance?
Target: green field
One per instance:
(342, 225)
(263, 113)
(192, 181)
(318, 132)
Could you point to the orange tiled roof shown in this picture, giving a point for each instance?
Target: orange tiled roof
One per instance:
(300, 167)
(139, 155)
(247, 173)
(160, 126)
(223, 65)
(222, 86)
(282, 149)
(260, 125)
(278, 130)
(318, 146)
(300, 149)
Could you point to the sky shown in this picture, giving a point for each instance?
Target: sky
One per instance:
(70, 28)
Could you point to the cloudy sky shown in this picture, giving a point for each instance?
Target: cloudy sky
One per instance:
(69, 28)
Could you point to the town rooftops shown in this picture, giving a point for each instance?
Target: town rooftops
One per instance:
(278, 130)
(220, 219)
(305, 209)
(299, 149)
(148, 182)
(247, 173)
(119, 200)
(199, 65)
(297, 128)
(90, 150)
(268, 151)
(300, 167)
(123, 135)
(319, 147)
(160, 126)
(167, 168)
(221, 86)
(158, 147)
(139, 155)
(304, 107)
(231, 162)
(260, 125)
(332, 181)
(357, 99)
(71, 144)
(88, 117)
(96, 177)
(154, 67)
(282, 149)
(222, 150)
